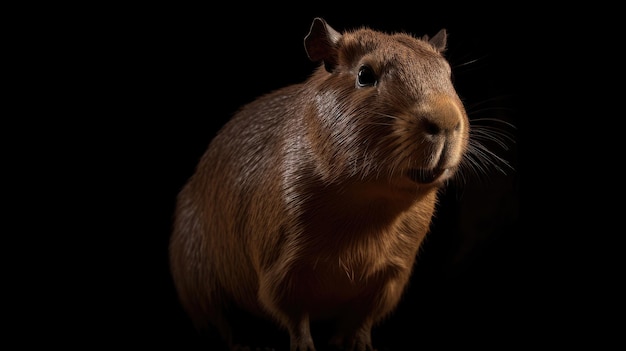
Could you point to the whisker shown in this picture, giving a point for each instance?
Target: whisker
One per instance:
(483, 155)
(489, 119)
(378, 124)
(472, 166)
(470, 62)
(495, 135)
(388, 115)
(402, 158)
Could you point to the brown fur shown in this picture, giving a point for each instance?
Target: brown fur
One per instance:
(309, 204)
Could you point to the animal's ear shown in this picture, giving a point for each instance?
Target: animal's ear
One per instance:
(321, 43)
(439, 41)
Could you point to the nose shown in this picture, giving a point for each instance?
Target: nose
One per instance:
(443, 117)
(444, 127)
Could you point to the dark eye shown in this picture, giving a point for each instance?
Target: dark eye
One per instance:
(366, 77)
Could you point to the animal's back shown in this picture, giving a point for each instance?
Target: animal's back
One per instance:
(221, 209)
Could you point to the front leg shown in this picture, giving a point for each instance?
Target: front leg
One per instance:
(300, 335)
(358, 316)
(353, 335)
(287, 310)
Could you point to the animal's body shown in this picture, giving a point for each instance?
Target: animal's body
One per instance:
(312, 202)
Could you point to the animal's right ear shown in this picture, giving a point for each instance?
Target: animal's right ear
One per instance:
(321, 43)
(439, 41)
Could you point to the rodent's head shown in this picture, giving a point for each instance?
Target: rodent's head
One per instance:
(385, 106)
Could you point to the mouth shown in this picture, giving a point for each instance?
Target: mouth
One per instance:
(425, 176)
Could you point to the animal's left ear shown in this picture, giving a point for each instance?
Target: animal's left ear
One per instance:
(439, 41)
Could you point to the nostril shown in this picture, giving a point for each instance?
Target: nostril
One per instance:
(431, 128)
(437, 127)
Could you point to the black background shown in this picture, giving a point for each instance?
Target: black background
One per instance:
(502, 266)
